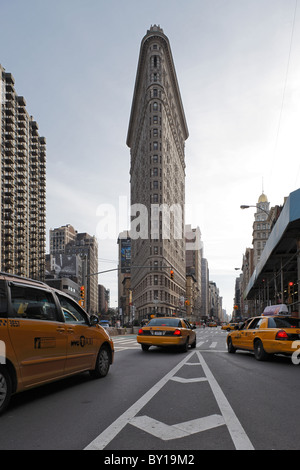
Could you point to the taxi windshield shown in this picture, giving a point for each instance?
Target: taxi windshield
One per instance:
(165, 322)
(280, 322)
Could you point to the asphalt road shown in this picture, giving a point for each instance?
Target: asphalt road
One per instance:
(161, 400)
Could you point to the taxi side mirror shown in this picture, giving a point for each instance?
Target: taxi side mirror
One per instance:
(94, 320)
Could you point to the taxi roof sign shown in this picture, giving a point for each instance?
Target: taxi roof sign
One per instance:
(280, 309)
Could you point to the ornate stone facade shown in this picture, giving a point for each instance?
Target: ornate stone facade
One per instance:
(156, 137)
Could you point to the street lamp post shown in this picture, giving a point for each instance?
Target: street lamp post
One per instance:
(244, 206)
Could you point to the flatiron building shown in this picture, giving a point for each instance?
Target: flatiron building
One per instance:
(156, 138)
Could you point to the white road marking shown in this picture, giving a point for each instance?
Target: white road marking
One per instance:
(176, 431)
(109, 433)
(238, 435)
(185, 381)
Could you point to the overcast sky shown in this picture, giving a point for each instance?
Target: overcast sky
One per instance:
(238, 68)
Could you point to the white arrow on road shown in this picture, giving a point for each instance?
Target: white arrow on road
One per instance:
(167, 432)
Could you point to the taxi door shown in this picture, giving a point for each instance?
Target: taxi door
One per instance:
(83, 342)
(240, 335)
(36, 334)
(251, 332)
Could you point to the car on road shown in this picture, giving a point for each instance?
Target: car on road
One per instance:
(167, 332)
(229, 326)
(213, 324)
(45, 336)
(266, 335)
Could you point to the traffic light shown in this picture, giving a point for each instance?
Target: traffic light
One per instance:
(172, 274)
(82, 292)
(290, 287)
(290, 292)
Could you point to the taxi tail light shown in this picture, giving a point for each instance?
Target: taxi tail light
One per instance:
(281, 334)
(140, 331)
(177, 332)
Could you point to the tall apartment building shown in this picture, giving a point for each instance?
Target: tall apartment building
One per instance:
(23, 186)
(156, 138)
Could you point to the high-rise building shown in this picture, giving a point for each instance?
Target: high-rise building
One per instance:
(86, 246)
(66, 240)
(124, 277)
(261, 227)
(23, 186)
(103, 299)
(204, 289)
(194, 250)
(156, 138)
(60, 237)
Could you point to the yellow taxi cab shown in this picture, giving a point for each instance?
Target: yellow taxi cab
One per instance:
(166, 332)
(212, 324)
(45, 336)
(229, 326)
(273, 332)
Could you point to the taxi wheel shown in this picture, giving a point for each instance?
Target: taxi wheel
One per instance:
(102, 364)
(185, 346)
(5, 388)
(230, 347)
(259, 352)
(145, 347)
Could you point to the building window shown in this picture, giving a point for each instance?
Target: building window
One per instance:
(154, 61)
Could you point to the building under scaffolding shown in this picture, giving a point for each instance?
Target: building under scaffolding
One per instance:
(277, 275)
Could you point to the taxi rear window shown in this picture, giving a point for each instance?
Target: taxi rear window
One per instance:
(165, 322)
(279, 322)
(33, 303)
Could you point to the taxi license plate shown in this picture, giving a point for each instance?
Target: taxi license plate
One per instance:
(158, 333)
